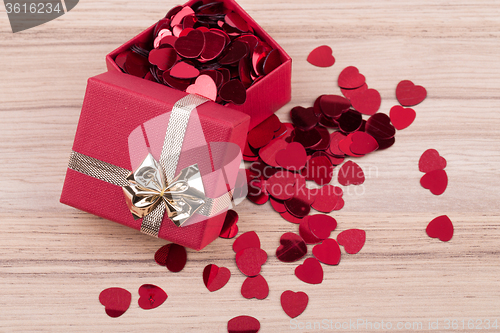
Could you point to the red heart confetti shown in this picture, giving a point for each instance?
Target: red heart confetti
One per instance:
(164, 58)
(151, 296)
(327, 198)
(322, 225)
(233, 91)
(115, 300)
(333, 106)
(247, 240)
(436, 181)
(362, 143)
(281, 185)
(402, 117)
(408, 94)
(215, 277)
(321, 56)
(294, 303)
(297, 206)
(268, 153)
(303, 118)
(431, 160)
(278, 205)
(441, 227)
(305, 232)
(319, 169)
(366, 101)
(351, 174)
(250, 260)
(203, 86)
(229, 229)
(310, 271)
(352, 240)
(243, 324)
(191, 45)
(292, 247)
(291, 218)
(183, 70)
(293, 157)
(255, 287)
(328, 252)
(173, 256)
(350, 78)
(348, 93)
(379, 126)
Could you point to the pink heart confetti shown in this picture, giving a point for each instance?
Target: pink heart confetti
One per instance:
(183, 70)
(203, 86)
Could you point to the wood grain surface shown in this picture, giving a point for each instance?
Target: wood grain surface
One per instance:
(55, 260)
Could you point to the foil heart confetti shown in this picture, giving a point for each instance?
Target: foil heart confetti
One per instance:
(409, 94)
(215, 277)
(230, 228)
(243, 324)
(352, 240)
(441, 227)
(151, 296)
(172, 256)
(255, 287)
(321, 56)
(294, 303)
(292, 247)
(310, 271)
(328, 252)
(115, 300)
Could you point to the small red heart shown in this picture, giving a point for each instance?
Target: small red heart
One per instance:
(327, 198)
(352, 240)
(303, 118)
(215, 277)
(164, 58)
(255, 287)
(151, 296)
(408, 94)
(436, 181)
(243, 324)
(203, 86)
(328, 252)
(362, 143)
(322, 225)
(173, 256)
(441, 227)
(214, 45)
(292, 247)
(305, 232)
(379, 126)
(310, 271)
(115, 300)
(333, 106)
(293, 157)
(319, 169)
(281, 185)
(191, 45)
(183, 70)
(268, 152)
(430, 161)
(402, 117)
(233, 91)
(294, 303)
(230, 228)
(350, 78)
(366, 101)
(321, 56)
(247, 240)
(233, 53)
(351, 174)
(349, 92)
(250, 260)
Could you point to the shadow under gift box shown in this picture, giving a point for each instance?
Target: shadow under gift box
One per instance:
(116, 103)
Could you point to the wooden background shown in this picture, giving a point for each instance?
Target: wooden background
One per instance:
(56, 260)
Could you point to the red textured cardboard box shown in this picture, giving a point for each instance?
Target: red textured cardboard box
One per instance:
(116, 103)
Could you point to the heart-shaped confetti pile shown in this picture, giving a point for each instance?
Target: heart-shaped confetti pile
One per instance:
(115, 300)
(206, 49)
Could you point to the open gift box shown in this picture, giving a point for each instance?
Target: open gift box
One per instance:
(125, 118)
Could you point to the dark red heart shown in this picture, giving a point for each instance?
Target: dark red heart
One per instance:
(191, 45)
(350, 78)
(322, 225)
(303, 118)
(215, 277)
(281, 185)
(436, 181)
(352, 240)
(408, 94)
(236, 51)
(430, 161)
(351, 174)
(328, 252)
(255, 287)
(366, 101)
(243, 324)
(250, 260)
(294, 303)
(310, 271)
(173, 256)
(441, 227)
(247, 240)
(402, 117)
(233, 91)
(115, 300)
(292, 247)
(229, 229)
(214, 45)
(319, 169)
(379, 126)
(293, 157)
(333, 106)
(321, 56)
(151, 296)
(164, 58)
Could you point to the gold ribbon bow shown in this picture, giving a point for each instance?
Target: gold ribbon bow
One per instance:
(148, 188)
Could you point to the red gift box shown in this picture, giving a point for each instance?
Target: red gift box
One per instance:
(116, 103)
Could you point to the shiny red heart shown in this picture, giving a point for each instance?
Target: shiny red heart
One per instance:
(271, 62)
(310, 271)
(230, 228)
(333, 106)
(294, 303)
(115, 300)
(402, 117)
(268, 152)
(247, 240)
(436, 181)
(322, 225)
(350, 78)
(173, 256)
(305, 232)
(214, 45)
(351, 174)
(379, 126)
(352, 240)
(297, 206)
(430, 161)
(164, 58)
(349, 92)
(408, 94)
(293, 157)
(203, 86)
(151, 296)
(362, 143)
(328, 252)
(236, 51)
(319, 169)
(292, 247)
(250, 260)
(215, 277)
(321, 56)
(366, 101)
(441, 227)
(255, 287)
(183, 70)
(303, 118)
(281, 185)
(233, 91)
(327, 198)
(191, 45)
(243, 324)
